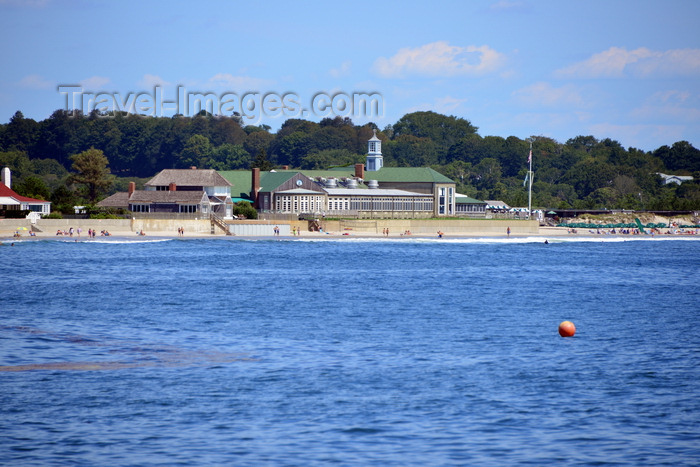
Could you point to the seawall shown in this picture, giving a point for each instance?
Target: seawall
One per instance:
(369, 227)
(114, 226)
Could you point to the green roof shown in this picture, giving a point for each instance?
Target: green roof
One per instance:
(407, 174)
(241, 182)
(335, 173)
(464, 199)
(269, 181)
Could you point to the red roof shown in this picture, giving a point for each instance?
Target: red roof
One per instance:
(7, 191)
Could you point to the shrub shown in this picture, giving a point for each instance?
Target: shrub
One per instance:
(244, 209)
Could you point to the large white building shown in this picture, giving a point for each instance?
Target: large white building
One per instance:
(367, 190)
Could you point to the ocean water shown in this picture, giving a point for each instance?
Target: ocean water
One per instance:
(165, 352)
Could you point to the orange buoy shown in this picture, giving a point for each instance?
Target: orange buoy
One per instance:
(567, 329)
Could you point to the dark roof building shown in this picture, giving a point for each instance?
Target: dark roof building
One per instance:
(189, 179)
(190, 191)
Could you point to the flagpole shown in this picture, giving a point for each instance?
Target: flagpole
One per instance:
(529, 194)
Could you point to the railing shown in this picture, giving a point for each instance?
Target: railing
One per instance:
(219, 222)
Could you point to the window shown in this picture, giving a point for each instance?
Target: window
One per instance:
(449, 200)
(441, 200)
(140, 208)
(188, 208)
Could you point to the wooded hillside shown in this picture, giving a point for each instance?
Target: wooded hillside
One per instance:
(583, 172)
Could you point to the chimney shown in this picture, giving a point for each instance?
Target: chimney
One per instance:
(285, 167)
(255, 186)
(192, 167)
(132, 188)
(360, 170)
(172, 187)
(7, 177)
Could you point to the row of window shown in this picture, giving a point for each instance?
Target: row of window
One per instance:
(304, 203)
(471, 208)
(311, 203)
(186, 208)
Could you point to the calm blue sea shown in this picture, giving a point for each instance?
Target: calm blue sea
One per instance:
(349, 352)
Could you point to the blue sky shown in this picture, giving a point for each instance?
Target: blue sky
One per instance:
(626, 70)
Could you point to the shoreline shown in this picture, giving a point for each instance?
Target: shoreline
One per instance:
(554, 233)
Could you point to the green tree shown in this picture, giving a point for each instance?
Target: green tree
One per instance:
(244, 209)
(21, 133)
(411, 151)
(261, 162)
(291, 149)
(328, 158)
(33, 187)
(468, 149)
(488, 173)
(442, 129)
(92, 172)
(18, 162)
(230, 157)
(63, 199)
(196, 153)
(681, 156)
(257, 141)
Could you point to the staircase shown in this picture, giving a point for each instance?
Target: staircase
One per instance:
(217, 221)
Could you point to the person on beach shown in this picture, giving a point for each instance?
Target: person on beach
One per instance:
(508, 231)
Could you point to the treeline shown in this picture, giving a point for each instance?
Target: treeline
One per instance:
(583, 172)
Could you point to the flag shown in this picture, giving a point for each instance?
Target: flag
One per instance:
(529, 157)
(527, 176)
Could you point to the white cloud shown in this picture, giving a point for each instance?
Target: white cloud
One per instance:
(619, 62)
(544, 94)
(671, 106)
(440, 59)
(238, 84)
(35, 82)
(341, 71)
(448, 104)
(151, 81)
(94, 83)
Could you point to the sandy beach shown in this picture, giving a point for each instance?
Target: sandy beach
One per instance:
(338, 229)
(543, 234)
